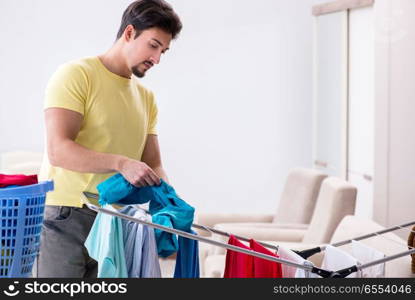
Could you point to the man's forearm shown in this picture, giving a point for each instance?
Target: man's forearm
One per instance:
(161, 173)
(72, 156)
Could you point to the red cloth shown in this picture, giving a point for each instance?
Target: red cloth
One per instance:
(238, 265)
(265, 268)
(241, 265)
(6, 180)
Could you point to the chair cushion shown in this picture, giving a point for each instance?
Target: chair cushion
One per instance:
(337, 198)
(299, 196)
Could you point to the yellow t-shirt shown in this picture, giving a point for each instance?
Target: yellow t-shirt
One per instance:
(118, 114)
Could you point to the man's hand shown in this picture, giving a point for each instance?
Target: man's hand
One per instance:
(138, 173)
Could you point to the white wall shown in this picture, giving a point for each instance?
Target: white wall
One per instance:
(234, 92)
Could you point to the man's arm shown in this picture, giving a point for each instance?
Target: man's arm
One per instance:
(62, 128)
(152, 157)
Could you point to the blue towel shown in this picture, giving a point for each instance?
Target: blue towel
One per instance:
(187, 261)
(166, 207)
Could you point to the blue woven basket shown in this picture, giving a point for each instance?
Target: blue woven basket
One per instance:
(21, 218)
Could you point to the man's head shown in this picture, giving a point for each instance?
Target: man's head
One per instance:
(146, 30)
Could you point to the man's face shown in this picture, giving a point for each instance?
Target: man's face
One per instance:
(145, 51)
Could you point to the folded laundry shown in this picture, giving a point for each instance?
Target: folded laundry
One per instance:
(17, 180)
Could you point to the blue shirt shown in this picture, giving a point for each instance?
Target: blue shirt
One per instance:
(166, 207)
(187, 261)
(105, 244)
(140, 246)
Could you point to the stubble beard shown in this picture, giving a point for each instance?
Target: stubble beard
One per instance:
(137, 72)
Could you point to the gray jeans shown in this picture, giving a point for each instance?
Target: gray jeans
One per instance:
(62, 251)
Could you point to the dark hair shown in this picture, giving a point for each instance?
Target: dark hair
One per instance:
(144, 14)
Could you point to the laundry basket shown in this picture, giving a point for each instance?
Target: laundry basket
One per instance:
(21, 218)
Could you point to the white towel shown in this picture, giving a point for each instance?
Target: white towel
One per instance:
(290, 271)
(336, 259)
(365, 254)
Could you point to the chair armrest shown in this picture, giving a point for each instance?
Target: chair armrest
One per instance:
(270, 225)
(210, 219)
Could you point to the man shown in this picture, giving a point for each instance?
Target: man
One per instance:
(100, 121)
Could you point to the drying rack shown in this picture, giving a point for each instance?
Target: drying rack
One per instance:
(308, 268)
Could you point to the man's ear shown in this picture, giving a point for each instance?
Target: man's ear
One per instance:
(129, 33)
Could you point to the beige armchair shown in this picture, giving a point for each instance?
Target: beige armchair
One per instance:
(300, 190)
(336, 199)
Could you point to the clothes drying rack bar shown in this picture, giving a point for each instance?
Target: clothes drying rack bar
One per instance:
(309, 252)
(307, 268)
(202, 227)
(303, 253)
(347, 271)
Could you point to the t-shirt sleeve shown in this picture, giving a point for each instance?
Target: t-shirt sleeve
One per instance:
(152, 124)
(67, 88)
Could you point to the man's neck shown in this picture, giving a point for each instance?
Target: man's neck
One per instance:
(114, 62)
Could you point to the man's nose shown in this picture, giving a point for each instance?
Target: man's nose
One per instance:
(155, 59)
